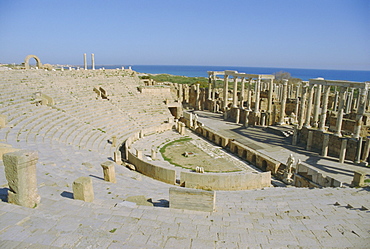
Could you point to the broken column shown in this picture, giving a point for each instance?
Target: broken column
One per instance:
(83, 189)
(114, 141)
(358, 179)
(20, 172)
(3, 121)
(109, 171)
(343, 149)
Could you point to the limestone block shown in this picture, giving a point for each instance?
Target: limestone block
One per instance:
(358, 179)
(117, 157)
(153, 154)
(83, 189)
(140, 200)
(139, 154)
(114, 141)
(3, 121)
(109, 171)
(192, 199)
(20, 172)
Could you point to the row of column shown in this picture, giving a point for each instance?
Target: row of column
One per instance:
(319, 115)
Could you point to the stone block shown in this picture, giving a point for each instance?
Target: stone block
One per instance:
(140, 200)
(192, 199)
(83, 189)
(117, 157)
(109, 171)
(20, 172)
(3, 121)
(358, 179)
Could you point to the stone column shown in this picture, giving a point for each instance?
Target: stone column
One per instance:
(92, 61)
(335, 105)
(153, 154)
(197, 101)
(114, 141)
(271, 92)
(241, 104)
(181, 94)
(307, 123)
(309, 140)
(325, 144)
(209, 87)
(283, 102)
(316, 108)
(295, 135)
(85, 62)
(303, 104)
(249, 95)
(360, 113)
(109, 171)
(324, 108)
(214, 87)
(343, 149)
(257, 100)
(20, 172)
(83, 189)
(342, 98)
(226, 89)
(235, 92)
(365, 153)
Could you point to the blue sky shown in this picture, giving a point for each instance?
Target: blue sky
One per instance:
(319, 34)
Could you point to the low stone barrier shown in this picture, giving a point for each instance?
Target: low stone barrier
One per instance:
(146, 168)
(225, 181)
(306, 176)
(192, 199)
(258, 159)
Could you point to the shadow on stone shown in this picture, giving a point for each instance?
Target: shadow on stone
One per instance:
(97, 177)
(4, 194)
(161, 203)
(67, 194)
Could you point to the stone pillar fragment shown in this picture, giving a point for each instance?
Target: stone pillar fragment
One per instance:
(3, 121)
(343, 149)
(83, 189)
(117, 157)
(358, 179)
(20, 172)
(303, 105)
(114, 141)
(325, 145)
(309, 140)
(139, 154)
(153, 154)
(109, 171)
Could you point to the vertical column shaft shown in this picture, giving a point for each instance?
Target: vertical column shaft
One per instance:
(235, 92)
(342, 98)
(283, 102)
(309, 107)
(92, 61)
(316, 108)
(324, 109)
(257, 92)
(226, 88)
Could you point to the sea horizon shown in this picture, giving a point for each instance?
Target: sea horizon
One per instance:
(201, 71)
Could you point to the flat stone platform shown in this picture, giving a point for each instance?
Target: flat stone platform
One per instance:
(279, 147)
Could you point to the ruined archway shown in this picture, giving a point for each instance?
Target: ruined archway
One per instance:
(27, 61)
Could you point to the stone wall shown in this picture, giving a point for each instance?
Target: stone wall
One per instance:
(225, 181)
(335, 143)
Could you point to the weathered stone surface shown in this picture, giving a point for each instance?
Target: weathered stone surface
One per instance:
(192, 199)
(358, 179)
(20, 171)
(83, 189)
(139, 200)
(109, 171)
(3, 121)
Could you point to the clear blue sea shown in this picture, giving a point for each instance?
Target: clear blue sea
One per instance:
(201, 71)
